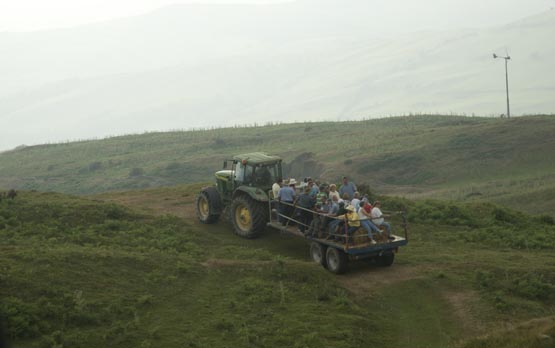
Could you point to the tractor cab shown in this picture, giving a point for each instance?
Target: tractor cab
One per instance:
(253, 169)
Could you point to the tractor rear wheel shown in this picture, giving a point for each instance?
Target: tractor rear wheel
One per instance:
(208, 205)
(249, 216)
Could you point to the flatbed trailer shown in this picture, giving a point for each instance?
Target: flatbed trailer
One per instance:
(334, 251)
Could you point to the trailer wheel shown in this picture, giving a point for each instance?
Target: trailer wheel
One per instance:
(249, 216)
(318, 253)
(208, 205)
(336, 260)
(386, 259)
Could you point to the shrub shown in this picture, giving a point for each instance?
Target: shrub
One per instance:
(483, 279)
(219, 142)
(396, 204)
(546, 219)
(364, 189)
(504, 215)
(145, 299)
(534, 287)
(499, 301)
(94, 166)
(136, 172)
(114, 211)
(342, 299)
(21, 318)
(173, 166)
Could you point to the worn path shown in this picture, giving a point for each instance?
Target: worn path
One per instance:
(427, 316)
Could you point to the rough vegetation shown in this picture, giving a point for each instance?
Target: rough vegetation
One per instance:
(116, 270)
(134, 269)
(80, 273)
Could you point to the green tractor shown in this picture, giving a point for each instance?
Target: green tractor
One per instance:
(242, 191)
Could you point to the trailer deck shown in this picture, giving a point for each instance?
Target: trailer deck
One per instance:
(351, 249)
(334, 249)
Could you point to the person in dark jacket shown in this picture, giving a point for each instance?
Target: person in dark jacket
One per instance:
(305, 215)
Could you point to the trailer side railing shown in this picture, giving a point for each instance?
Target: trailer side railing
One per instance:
(274, 209)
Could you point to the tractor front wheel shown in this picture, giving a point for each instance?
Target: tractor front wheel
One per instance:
(248, 216)
(208, 205)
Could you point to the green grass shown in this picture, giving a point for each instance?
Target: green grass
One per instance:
(446, 157)
(77, 273)
(419, 320)
(84, 272)
(532, 334)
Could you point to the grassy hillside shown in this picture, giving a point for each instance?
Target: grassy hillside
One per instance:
(79, 273)
(117, 270)
(462, 158)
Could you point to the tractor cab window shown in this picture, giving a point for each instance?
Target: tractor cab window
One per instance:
(265, 175)
(249, 174)
(244, 173)
(239, 172)
(257, 175)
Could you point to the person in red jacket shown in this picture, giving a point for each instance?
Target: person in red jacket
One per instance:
(367, 206)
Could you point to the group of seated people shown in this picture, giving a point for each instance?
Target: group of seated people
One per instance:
(341, 211)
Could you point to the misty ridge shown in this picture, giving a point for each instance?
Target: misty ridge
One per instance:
(189, 66)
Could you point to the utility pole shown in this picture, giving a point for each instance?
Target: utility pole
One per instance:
(495, 56)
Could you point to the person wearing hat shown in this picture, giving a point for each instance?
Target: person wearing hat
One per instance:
(286, 197)
(293, 184)
(350, 218)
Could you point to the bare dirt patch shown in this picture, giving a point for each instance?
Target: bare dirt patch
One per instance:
(372, 278)
(219, 263)
(462, 303)
(222, 263)
(176, 203)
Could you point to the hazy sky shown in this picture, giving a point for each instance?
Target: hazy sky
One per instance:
(28, 15)
(200, 66)
(25, 15)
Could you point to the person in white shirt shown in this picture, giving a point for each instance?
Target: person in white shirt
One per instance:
(303, 184)
(355, 202)
(367, 224)
(378, 218)
(333, 192)
(276, 186)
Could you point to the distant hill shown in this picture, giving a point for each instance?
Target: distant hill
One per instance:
(509, 161)
(198, 65)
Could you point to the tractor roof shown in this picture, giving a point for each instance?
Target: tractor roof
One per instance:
(257, 158)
